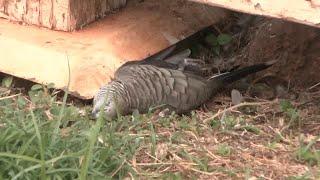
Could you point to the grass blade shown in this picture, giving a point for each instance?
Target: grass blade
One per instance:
(40, 165)
(153, 139)
(43, 173)
(64, 102)
(22, 157)
(93, 136)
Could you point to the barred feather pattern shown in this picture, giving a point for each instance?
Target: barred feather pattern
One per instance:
(115, 89)
(149, 85)
(143, 86)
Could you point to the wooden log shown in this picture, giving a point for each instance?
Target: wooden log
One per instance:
(301, 11)
(64, 15)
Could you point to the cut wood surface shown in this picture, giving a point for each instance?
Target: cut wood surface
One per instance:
(94, 53)
(65, 15)
(301, 11)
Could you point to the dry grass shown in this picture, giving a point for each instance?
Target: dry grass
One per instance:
(244, 146)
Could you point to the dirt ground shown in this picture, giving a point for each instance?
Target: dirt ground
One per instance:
(295, 46)
(294, 78)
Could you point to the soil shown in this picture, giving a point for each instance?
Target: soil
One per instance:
(294, 77)
(295, 46)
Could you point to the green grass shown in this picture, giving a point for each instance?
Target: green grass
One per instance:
(223, 150)
(43, 138)
(309, 153)
(33, 146)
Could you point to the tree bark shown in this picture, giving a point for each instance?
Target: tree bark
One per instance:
(64, 15)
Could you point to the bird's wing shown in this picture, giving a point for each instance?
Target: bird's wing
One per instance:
(152, 59)
(179, 57)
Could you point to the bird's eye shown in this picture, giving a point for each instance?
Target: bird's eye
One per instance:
(107, 104)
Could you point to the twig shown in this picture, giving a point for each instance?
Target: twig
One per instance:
(166, 163)
(213, 156)
(158, 160)
(165, 169)
(118, 169)
(237, 106)
(277, 132)
(61, 103)
(9, 97)
(201, 172)
(131, 176)
(133, 166)
(193, 135)
(314, 86)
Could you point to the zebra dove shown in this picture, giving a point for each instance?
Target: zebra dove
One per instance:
(140, 85)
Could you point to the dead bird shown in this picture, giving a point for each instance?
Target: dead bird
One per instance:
(163, 81)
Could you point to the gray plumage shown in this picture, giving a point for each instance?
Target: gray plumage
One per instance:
(140, 85)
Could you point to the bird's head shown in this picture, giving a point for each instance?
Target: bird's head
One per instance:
(107, 101)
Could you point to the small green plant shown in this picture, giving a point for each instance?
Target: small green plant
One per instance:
(305, 176)
(288, 108)
(291, 112)
(224, 39)
(233, 123)
(309, 153)
(251, 128)
(215, 124)
(247, 172)
(172, 176)
(272, 145)
(226, 123)
(7, 82)
(223, 150)
(230, 172)
(217, 41)
(229, 122)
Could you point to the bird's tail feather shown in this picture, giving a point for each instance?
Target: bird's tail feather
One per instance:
(237, 74)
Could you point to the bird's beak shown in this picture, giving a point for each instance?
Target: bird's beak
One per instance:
(95, 114)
